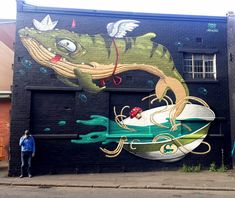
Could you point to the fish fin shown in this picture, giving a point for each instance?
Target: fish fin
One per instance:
(85, 81)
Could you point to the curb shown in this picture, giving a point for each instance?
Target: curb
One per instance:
(117, 186)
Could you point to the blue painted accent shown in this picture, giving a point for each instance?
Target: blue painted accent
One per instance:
(202, 91)
(178, 43)
(232, 153)
(62, 123)
(43, 70)
(21, 72)
(47, 130)
(83, 97)
(150, 83)
(212, 27)
(26, 63)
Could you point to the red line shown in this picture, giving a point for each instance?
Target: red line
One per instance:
(117, 57)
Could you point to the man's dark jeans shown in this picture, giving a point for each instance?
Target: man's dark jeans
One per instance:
(26, 158)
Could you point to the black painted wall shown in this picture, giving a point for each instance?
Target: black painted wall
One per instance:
(231, 72)
(41, 101)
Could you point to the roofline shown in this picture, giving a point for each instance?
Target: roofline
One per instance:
(7, 21)
(24, 7)
(5, 94)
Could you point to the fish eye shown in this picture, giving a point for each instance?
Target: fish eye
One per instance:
(70, 47)
(67, 44)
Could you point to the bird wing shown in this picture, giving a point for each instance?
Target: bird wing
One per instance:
(119, 29)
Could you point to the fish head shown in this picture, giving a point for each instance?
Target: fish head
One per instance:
(62, 42)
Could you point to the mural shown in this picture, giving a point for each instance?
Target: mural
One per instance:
(233, 149)
(212, 27)
(164, 133)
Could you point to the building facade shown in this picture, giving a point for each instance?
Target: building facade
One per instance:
(7, 38)
(110, 91)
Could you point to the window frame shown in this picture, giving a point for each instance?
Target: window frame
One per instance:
(191, 69)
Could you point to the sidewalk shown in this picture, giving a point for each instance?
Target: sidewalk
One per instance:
(203, 180)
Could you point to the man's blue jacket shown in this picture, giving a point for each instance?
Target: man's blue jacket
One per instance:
(27, 144)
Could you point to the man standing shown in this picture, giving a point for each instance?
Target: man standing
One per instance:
(27, 152)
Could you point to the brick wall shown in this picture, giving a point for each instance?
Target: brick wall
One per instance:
(5, 107)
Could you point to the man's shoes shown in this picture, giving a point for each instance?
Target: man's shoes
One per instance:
(21, 176)
(30, 175)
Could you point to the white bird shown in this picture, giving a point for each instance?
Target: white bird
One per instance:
(46, 24)
(119, 29)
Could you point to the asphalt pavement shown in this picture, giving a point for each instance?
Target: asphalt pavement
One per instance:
(175, 180)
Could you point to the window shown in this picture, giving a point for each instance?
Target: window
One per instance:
(199, 66)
